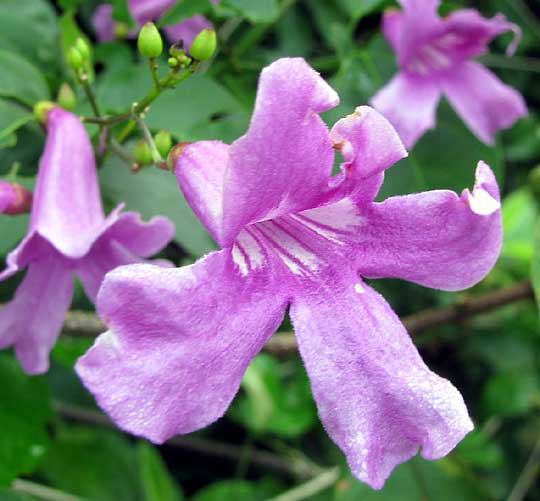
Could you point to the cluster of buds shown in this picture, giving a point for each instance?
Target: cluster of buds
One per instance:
(143, 151)
(79, 58)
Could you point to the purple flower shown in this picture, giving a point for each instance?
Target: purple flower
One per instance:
(143, 11)
(180, 340)
(68, 234)
(434, 55)
(14, 198)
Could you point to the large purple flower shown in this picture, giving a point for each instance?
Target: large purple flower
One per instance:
(434, 55)
(68, 234)
(180, 340)
(143, 11)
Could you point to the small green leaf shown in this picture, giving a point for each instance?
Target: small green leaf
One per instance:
(12, 117)
(21, 80)
(156, 482)
(184, 9)
(24, 414)
(237, 490)
(357, 9)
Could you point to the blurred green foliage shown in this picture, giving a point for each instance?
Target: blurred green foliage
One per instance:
(494, 359)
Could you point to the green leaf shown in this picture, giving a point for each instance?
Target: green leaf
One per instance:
(199, 108)
(156, 482)
(357, 9)
(24, 414)
(93, 463)
(121, 12)
(261, 11)
(30, 28)
(21, 80)
(69, 4)
(274, 402)
(512, 393)
(184, 9)
(12, 117)
(155, 192)
(535, 269)
(237, 490)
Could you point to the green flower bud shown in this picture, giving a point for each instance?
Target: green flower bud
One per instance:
(121, 30)
(149, 42)
(163, 142)
(173, 62)
(177, 49)
(41, 110)
(204, 45)
(142, 152)
(74, 58)
(66, 97)
(84, 49)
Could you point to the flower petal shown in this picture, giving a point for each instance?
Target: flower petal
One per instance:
(103, 22)
(67, 208)
(200, 170)
(187, 30)
(436, 238)
(375, 396)
(467, 33)
(148, 10)
(392, 27)
(33, 319)
(485, 103)
(368, 143)
(179, 343)
(283, 162)
(409, 103)
(127, 240)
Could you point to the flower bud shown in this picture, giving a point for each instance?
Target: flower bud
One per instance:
(177, 49)
(21, 198)
(163, 142)
(41, 110)
(74, 58)
(142, 153)
(149, 42)
(121, 30)
(66, 97)
(173, 62)
(204, 45)
(84, 49)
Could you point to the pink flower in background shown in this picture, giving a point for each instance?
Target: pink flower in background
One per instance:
(68, 235)
(14, 198)
(143, 11)
(181, 339)
(434, 55)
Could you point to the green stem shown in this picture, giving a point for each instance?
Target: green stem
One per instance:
(156, 156)
(528, 475)
(153, 70)
(89, 94)
(117, 149)
(309, 489)
(41, 491)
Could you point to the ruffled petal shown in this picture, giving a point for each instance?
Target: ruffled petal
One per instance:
(179, 343)
(32, 321)
(375, 396)
(200, 170)
(368, 143)
(467, 33)
(283, 162)
(410, 104)
(127, 240)
(437, 238)
(485, 103)
(67, 208)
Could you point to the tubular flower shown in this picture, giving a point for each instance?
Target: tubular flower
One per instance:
(68, 234)
(181, 339)
(143, 11)
(14, 198)
(434, 55)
